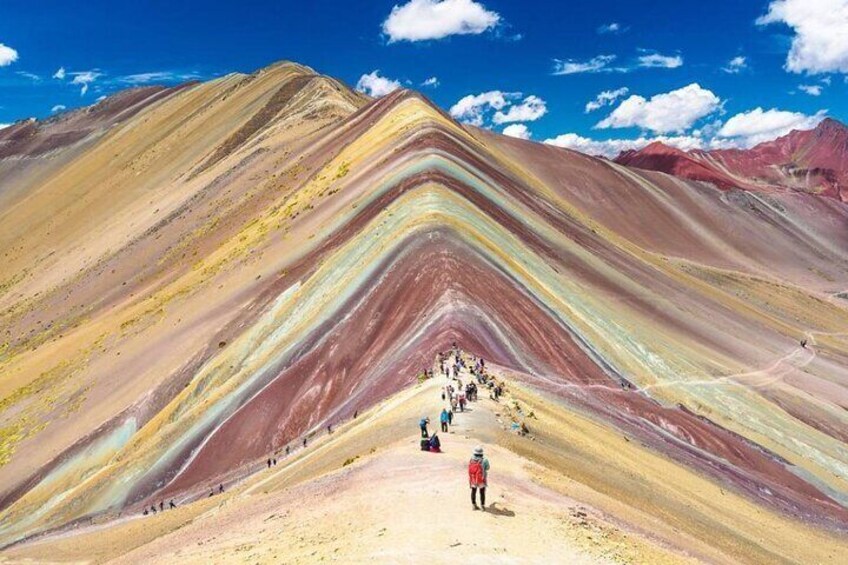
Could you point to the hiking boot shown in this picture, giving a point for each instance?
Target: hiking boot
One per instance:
(483, 508)
(476, 507)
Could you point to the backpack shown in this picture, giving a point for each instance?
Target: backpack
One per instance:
(476, 476)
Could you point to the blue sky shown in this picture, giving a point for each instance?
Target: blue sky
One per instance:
(672, 57)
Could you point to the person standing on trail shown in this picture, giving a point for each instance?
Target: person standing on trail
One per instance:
(444, 420)
(269, 463)
(172, 505)
(478, 474)
(423, 425)
(450, 417)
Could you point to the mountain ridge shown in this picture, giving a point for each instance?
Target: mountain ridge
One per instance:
(245, 262)
(814, 161)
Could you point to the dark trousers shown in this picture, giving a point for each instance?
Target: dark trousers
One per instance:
(445, 427)
(482, 496)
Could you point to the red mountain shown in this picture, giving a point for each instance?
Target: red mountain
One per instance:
(814, 161)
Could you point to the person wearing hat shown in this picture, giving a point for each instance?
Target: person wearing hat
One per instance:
(478, 473)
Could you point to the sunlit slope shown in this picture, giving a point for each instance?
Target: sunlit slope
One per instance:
(289, 258)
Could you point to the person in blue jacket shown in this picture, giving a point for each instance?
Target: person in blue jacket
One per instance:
(444, 420)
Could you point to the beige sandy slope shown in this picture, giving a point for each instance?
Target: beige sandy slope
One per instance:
(393, 503)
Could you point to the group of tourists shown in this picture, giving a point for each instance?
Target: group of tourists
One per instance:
(152, 509)
(451, 365)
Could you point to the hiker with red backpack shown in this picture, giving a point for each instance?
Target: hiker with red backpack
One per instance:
(478, 472)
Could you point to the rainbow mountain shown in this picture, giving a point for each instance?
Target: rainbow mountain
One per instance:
(196, 277)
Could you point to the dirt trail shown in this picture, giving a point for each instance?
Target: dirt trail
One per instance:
(391, 503)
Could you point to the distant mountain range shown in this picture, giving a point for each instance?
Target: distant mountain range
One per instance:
(813, 161)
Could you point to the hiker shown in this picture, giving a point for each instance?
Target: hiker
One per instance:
(804, 343)
(153, 509)
(146, 512)
(478, 472)
(423, 425)
(288, 450)
(221, 488)
(274, 461)
(462, 402)
(450, 417)
(355, 414)
(211, 493)
(172, 505)
(304, 442)
(444, 420)
(435, 444)
(269, 463)
(329, 428)
(161, 506)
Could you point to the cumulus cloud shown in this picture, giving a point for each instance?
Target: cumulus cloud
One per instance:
(612, 147)
(735, 65)
(517, 130)
(375, 85)
(594, 65)
(606, 98)
(750, 128)
(528, 110)
(60, 74)
(420, 20)
(811, 89)
(470, 109)
(820, 43)
(658, 61)
(84, 78)
(7, 55)
(432, 82)
(673, 111)
(58, 108)
(612, 27)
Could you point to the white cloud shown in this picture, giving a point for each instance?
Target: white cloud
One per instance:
(3, 126)
(612, 27)
(58, 108)
(101, 98)
(7, 55)
(758, 125)
(420, 20)
(657, 61)
(374, 85)
(594, 65)
(60, 74)
(85, 78)
(517, 130)
(31, 76)
(470, 109)
(529, 110)
(820, 44)
(606, 98)
(432, 82)
(735, 65)
(157, 76)
(673, 111)
(612, 147)
(811, 89)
